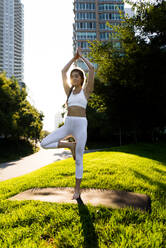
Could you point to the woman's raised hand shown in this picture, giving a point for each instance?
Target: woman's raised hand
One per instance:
(79, 52)
(76, 56)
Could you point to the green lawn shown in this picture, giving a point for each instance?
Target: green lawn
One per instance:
(138, 168)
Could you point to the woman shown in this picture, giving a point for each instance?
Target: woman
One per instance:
(75, 121)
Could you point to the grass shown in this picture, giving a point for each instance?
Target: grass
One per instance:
(138, 168)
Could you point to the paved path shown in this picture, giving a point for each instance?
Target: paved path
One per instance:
(32, 162)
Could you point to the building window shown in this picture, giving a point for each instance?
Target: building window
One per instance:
(85, 6)
(84, 0)
(83, 44)
(120, 1)
(109, 16)
(105, 36)
(86, 25)
(86, 35)
(111, 7)
(85, 15)
(103, 26)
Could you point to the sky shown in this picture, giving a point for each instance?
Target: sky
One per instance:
(48, 33)
(47, 49)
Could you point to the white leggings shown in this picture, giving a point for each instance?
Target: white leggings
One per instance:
(76, 126)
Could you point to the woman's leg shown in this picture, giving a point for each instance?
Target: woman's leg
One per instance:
(80, 134)
(53, 139)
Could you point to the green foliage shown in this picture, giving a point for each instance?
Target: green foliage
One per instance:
(138, 168)
(43, 134)
(10, 98)
(61, 124)
(131, 78)
(30, 121)
(150, 21)
(13, 149)
(17, 116)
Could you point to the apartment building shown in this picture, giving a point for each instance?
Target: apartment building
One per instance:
(12, 38)
(90, 18)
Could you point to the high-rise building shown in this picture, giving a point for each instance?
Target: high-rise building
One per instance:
(12, 38)
(90, 18)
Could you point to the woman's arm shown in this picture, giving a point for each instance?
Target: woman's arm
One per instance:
(64, 73)
(90, 82)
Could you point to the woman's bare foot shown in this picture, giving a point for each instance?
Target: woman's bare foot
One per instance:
(76, 196)
(72, 148)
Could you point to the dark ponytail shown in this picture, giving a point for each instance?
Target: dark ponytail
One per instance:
(69, 95)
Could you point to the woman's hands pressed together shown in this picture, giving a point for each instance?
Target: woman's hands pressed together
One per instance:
(78, 54)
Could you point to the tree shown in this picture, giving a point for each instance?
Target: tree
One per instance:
(132, 76)
(17, 116)
(10, 99)
(29, 123)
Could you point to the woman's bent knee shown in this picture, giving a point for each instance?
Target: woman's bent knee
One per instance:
(43, 144)
(47, 145)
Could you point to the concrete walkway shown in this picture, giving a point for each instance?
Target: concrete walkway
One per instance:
(32, 162)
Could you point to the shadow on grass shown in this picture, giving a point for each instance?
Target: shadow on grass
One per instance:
(90, 235)
(160, 187)
(160, 171)
(151, 151)
(63, 154)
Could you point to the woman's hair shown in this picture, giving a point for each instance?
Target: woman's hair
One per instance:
(82, 75)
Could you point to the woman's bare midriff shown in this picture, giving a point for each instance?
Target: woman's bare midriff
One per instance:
(76, 111)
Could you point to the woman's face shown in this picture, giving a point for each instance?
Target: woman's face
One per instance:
(76, 79)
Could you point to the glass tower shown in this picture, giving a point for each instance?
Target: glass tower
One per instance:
(11, 38)
(90, 17)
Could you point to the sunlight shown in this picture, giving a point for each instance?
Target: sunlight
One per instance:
(47, 48)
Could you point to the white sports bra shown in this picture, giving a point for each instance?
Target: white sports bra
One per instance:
(78, 99)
